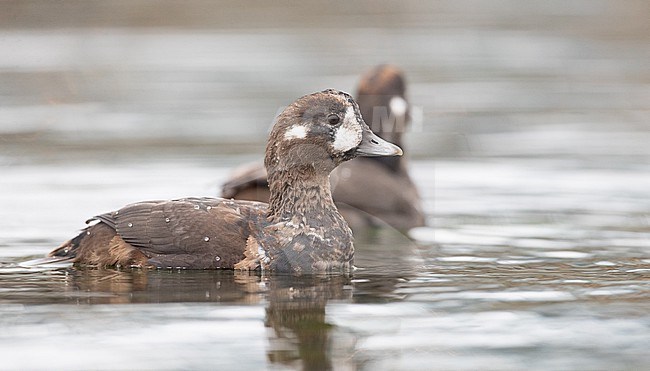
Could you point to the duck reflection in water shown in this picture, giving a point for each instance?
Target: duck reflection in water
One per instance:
(295, 314)
(104, 286)
(300, 337)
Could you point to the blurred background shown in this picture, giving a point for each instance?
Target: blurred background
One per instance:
(530, 146)
(490, 78)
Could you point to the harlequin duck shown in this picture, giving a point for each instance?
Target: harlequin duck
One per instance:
(299, 231)
(367, 188)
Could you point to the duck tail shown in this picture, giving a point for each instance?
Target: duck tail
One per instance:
(62, 256)
(68, 249)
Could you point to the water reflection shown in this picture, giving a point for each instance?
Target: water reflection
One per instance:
(295, 306)
(164, 286)
(300, 336)
(298, 333)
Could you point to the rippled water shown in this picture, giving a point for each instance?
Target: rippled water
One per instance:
(514, 270)
(529, 146)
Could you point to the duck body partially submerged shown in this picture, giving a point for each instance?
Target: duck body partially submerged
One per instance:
(300, 230)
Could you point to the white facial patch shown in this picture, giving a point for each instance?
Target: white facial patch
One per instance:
(296, 132)
(348, 135)
(398, 106)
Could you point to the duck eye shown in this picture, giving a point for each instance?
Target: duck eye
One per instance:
(333, 119)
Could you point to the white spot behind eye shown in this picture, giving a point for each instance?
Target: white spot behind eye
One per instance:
(296, 132)
(348, 135)
(398, 106)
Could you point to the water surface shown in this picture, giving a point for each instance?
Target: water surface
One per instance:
(529, 146)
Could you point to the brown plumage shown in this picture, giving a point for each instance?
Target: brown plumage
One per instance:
(300, 230)
(367, 190)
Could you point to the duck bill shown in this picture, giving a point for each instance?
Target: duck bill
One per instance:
(373, 146)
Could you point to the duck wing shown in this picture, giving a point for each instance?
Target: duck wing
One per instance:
(189, 232)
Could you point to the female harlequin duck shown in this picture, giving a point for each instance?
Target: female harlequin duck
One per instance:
(365, 189)
(299, 231)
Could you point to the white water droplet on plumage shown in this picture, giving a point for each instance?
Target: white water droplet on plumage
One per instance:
(130, 225)
(167, 220)
(206, 238)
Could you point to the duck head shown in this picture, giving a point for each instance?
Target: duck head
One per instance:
(318, 132)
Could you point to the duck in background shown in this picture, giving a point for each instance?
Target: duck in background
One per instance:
(299, 231)
(369, 191)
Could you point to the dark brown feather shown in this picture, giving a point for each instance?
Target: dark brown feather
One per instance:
(200, 233)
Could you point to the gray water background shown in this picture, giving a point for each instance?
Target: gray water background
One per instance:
(531, 151)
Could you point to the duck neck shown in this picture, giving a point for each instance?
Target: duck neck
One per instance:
(302, 192)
